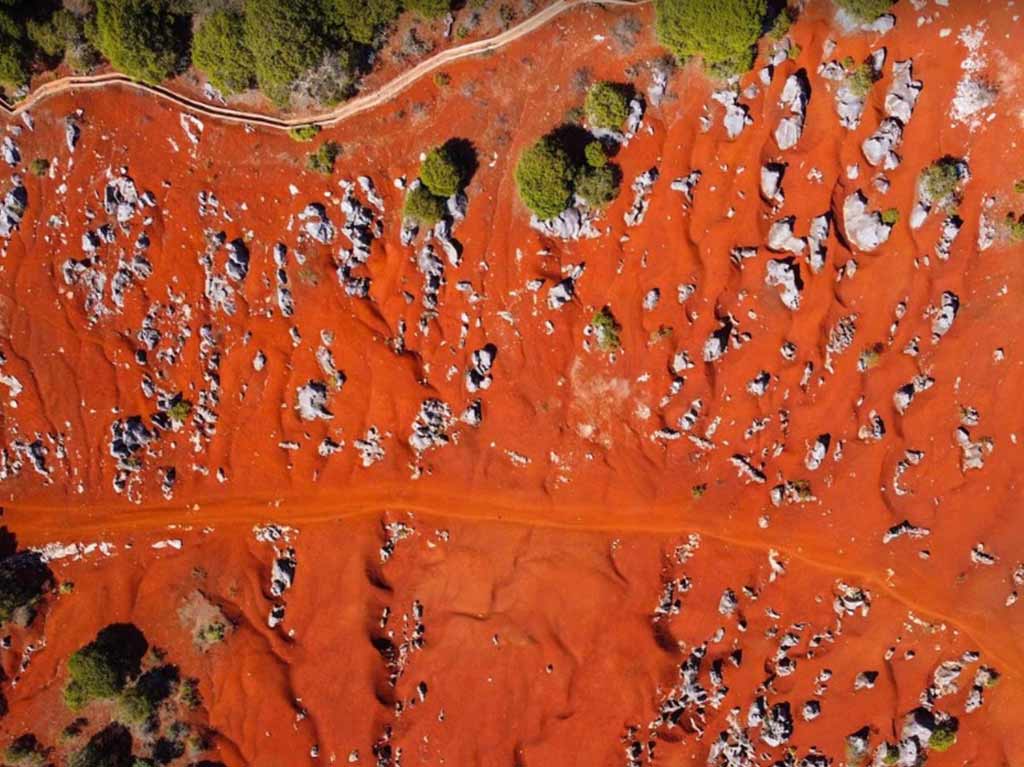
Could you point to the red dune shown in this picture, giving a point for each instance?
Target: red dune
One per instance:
(611, 568)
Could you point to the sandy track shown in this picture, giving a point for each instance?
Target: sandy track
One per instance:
(339, 114)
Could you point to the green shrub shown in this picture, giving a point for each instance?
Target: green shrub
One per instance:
(23, 579)
(39, 166)
(598, 186)
(860, 80)
(595, 155)
(145, 39)
(890, 216)
(606, 329)
(1018, 186)
(14, 53)
(942, 739)
(422, 206)
(939, 181)
(219, 52)
(781, 24)
(442, 79)
(865, 10)
(25, 751)
(287, 40)
(440, 172)
(322, 160)
(607, 105)
(364, 20)
(429, 9)
(134, 706)
(188, 694)
(304, 132)
(722, 32)
(544, 177)
(1015, 227)
(100, 669)
(110, 747)
(213, 633)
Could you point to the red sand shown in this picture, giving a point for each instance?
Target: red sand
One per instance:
(563, 512)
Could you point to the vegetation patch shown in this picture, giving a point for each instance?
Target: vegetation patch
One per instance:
(304, 132)
(723, 33)
(942, 738)
(940, 181)
(26, 751)
(422, 206)
(606, 330)
(861, 80)
(865, 10)
(219, 52)
(322, 160)
(100, 669)
(607, 105)
(145, 39)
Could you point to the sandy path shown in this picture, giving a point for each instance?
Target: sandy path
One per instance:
(339, 114)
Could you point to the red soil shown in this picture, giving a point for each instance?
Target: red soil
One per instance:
(562, 512)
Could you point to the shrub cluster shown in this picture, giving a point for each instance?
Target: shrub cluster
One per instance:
(940, 181)
(722, 32)
(444, 172)
(309, 48)
(23, 579)
(322, 160)
(565, 163)
(102, 668)
(607, 105)
(865, 10)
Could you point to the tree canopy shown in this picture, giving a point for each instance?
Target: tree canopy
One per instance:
(607, 105)
(219, 51)
(722, 32)
(145, 39)
(110, 747)
(440, 172)
(544, 176)
(363, 20)
(23, 578)
(429, 9)
(865, 10)
(287, 40)
(422, 206)
(101, 668)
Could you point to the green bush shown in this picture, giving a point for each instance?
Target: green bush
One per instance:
(25, 751)
(364, 20)
(607, 105)
(781, 24)
(595, 155)
(606, 329)
(429, 9)
(101, 669)
(23, 579)
(440, 172)
(890, 216)
(110, 747)
(219, 52)
(287, 40)
(423, 207)
(942, 739)
(304, 132)
(14, 53)
(860, 80)
(134, 706)
(722, 32)
(598, 186)
(322, 160)
(1018, 186)
(939, 181)
(865, 10)
(1015, 227)
(544, 177)
(145, 39)
(39, 166)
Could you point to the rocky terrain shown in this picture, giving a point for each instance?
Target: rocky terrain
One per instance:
(725, 473)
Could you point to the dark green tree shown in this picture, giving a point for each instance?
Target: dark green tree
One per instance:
(722, 32)
(23, 579)
(287, 40)
(544, 177)
(865, 10)
(14, 52)
(110, 747)
(598, 186)
(365, 19)
(607, 105)
(219, 52)
(101, 668)
(429, 9)
(145, 39)
(423, 207)
(440, 172)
